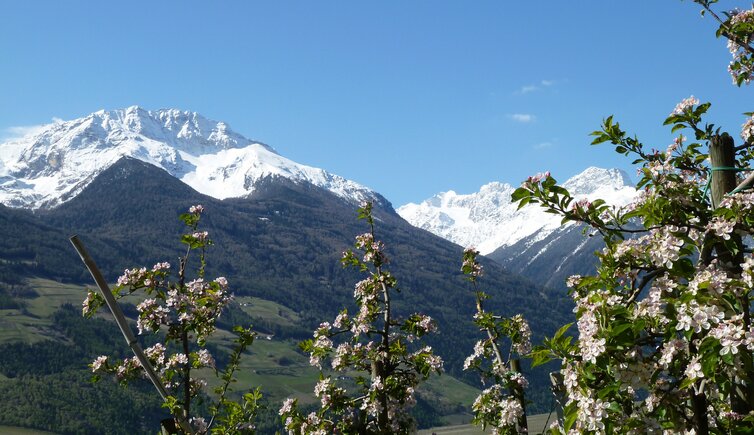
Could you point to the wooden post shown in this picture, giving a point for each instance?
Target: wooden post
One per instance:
(723, 155)
(120, 319)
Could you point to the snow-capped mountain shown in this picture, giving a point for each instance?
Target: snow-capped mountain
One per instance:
(488, 220)
(53, 164)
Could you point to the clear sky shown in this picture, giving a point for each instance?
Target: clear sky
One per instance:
(407, 97)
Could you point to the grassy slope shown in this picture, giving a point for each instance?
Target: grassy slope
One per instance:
(270, 363)
(13, 430)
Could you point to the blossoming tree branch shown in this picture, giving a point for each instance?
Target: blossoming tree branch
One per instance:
(665, 337)
(184, 313)
(375, 347)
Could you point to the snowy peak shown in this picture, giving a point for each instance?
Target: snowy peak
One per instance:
(54, 163)
(182, 130)
(594, 179)
(488, 220)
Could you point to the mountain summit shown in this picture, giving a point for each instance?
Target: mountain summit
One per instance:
(53, 164)
(488, 220)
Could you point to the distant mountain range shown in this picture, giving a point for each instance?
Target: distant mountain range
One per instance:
(528, 240)
(51, 166)
(120, 178)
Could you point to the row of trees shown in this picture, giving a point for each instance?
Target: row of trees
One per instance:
(665, 338)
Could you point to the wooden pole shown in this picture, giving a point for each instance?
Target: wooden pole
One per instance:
(723, 155)
(120, 319)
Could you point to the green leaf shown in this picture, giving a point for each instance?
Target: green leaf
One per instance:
(686, 383)
(562, 331)
(539, 357)
(520, 194)
(617, 329)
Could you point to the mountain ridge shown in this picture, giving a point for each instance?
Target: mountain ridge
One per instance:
(488, 220)
(54, 163)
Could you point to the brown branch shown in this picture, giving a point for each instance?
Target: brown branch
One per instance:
(726, 30)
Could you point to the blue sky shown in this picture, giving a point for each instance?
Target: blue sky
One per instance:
(408, 98)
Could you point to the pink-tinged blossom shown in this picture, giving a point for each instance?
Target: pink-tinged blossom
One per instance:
(426, 324)
(132, 276)
(98, 363)
(519, 380)
(222, 281)
(196, 209)
(315, 361)
(364, 289)
(721, 227)
(161, 266)
(434, 361)
(322, 387)
(287, 406)
(573, 281)
(591, 346)
(88, 303)
(570, 379)
(730, 333)
(470, 263)
(582, 204)
(535, 179)
(691, 316)
(685, 105)
(591, 413)
(694, 369)
(323, 342)
(377, 384)
(359, 327)
(670, 349)
(200, 235)
(479, 350)
(324, 328)
(340, 359)
(522, 343)
(205, 358)
(739, 66)
(652, 306)
(196, 286)
(747, 274)
(747, 129)
(364, 241)
(341, 320)
(177, 359)
(510, 412)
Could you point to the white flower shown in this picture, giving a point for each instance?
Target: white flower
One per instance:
(685, 105)
(573, 281)
(97, 364)
(287, 406)
(205, 358)
(176, 359)
(511, 411)
(322, 386)
(694, 369)
(747, 129)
